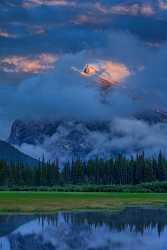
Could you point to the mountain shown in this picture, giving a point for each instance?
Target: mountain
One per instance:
(68, 140)
(31, 132)
(10, 223)
(35, 132)
(11, 154)
(61, 139)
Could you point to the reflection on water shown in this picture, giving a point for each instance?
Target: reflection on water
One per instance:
(133, 228)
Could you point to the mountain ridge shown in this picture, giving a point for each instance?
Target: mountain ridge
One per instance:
(66, 140)
(10, 154)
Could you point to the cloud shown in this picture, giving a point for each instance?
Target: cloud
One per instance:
(36, 3)
(36, 29)
(28, 64)
(87, 19)
(63, 94)
(131, 136)
(154, 44)
(128, 136)
(112, 73)
(115, 38)
(37, 152)
(4, 34)
(136, 9)
(107, 73)
(163, 4)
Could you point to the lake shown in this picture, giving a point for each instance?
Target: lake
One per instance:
(133, 228)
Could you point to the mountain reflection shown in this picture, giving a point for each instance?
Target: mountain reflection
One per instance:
(142, 228)
(135, 219)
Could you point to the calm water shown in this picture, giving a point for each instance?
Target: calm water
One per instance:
(133, 228)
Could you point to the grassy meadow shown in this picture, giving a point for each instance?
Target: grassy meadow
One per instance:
(53, 201)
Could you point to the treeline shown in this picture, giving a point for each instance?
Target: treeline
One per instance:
(114, 171)
(150, 187)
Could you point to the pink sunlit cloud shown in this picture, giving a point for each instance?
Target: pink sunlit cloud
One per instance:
(36, 29)
(84, 19)
(127, 9)
(34, 3)
(163, 4)
(25, 64)
(107, 73)
(5, 34)
(112, 73)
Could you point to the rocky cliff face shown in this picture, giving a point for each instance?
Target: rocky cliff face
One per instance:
(63, 140)
(35, 132)
(72, 139)
(31, 132)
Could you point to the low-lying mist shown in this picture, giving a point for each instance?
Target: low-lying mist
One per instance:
(75, 140)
